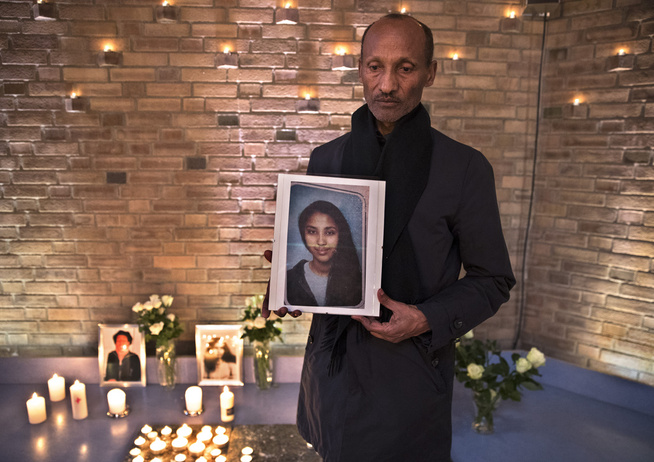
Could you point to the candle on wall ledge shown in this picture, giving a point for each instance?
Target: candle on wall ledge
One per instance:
(36, 409)
(78, 400)
(193, 398)
(227, 59)
(307, 104)
(57, 388)
(44, 11)
(109, 57)
(622, 61)
(342, 61)
(226, 405)
(117, 401)
(76, 103)
(167, 12)
(454, 65)
(287, 14)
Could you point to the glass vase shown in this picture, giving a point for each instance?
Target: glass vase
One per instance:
(486, 403)
(263, 366)
(167, 364)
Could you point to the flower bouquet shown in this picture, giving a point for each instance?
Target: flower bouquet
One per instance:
(162, 327)
(260, 331)
(480, 367)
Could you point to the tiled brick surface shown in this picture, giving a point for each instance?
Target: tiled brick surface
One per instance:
(199, 148)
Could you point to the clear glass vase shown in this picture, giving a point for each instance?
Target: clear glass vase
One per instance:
(263, 365)
(167, 364)
(486, 403)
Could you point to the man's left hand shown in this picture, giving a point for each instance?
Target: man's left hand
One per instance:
(407, 321)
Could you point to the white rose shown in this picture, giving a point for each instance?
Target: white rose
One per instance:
(138, 308)
(259, 322)
(536, 358)
(167, 300)
(155, 329)
(468, 335)
(162, 310)
(171, 317)
(147, 306)
(522, 365)
(475, 371)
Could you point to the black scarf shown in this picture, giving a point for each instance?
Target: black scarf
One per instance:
(404, 163)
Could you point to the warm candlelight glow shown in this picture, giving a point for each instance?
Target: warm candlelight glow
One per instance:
(179, 443)
(220, 430)
(165, 3)
(184, 431)
(73, 95)
(221, 458)
(403, 10)
(246, 458)
(140, 441)
(340, 51)
(307, 96)
(146, 429)
(512, 14)
(108, 48)
(247, 450)
(622, 52)
(221, 440)
(215, 452)
(196, 448)
(288, 5)
(576, 102)
(157, 446)
(166, 431)
(455, 56)
(227, 49)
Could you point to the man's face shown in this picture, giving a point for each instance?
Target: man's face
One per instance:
(393, 70)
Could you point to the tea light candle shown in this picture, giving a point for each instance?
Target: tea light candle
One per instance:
(246, 458)
(138, 459)
(78, 400)
(116, 399)
(166, 431)
(157, 446)
(153, 435)
(146, 429)
(193, 398)
(197, 448)
(226, 405)
(36, 409)
(180, 458)
(179, 443)
(215, 452)
(247, 450)
(220, 430)
(206, 428)
(221, 458)
(184, 431)
(57, 388)
(221, 440)
(140, 441)
(204, 436)
(134, 452)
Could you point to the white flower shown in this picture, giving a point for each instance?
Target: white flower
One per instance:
(536, 358)
(171, 317)
(147, 306)
(155, 329)
(259, 322)
(138, 308)
(249, 324)
(475, 371)
(468, 335)
(522, 365)
(155, 300)
(162, 310)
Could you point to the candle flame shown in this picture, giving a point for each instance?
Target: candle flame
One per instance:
(340, 51)
(455, 56)
(403, 10)
(576, 102)
(54, 376)
(512, 14)
(165, 3)
(307, 96)
(108, 48)
(76, 382)
(227, 49)
(35, 395)
(288, 5)
(226, 389)
(622, 52)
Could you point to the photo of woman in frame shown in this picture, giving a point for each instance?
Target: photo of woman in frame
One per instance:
(219, 354)
(121, 355)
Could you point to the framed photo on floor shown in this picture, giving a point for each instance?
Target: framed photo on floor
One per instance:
(327, 250)
(121, 355)
(219, 353)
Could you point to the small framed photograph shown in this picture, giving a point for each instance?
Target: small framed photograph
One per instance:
(219, 352)
(121, 355)
(327, 251)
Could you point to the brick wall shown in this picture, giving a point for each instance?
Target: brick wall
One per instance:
(164, 182)
(591, 277)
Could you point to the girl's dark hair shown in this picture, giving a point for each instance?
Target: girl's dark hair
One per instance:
(228, 356)
(125, 334)
(344, 284)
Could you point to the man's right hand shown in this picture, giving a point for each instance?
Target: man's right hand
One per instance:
(265, 310)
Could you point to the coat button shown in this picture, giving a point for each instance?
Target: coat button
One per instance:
(310, 339)
(434, 362)
(458, 324)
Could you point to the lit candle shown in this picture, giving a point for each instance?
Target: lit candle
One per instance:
(107, 48)
(140, 441)
(288, 5)
(146, 429)
(193, 398)
(166, 431)
(201, 459)
(157, 446)
(138, 459)
(512, 15)
(197, 448)
(221, 458)
(78, 400)
(179, 443)
(165, 3)
(247, 450)
(134, 452)
(455, 56)
(57, 384)
(221, 440)
(180, 458)
(246, 458)
(227, 50)
(622, 52)
(184, 431)
(36, 409)
(403, 10)
(220, 430)
(204, 436)
(307, 96)
(576, 102)
(215, 452)
(116, 399)
(153, 435)
(226, 405)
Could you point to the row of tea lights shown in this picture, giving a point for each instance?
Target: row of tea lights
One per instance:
(116, 400)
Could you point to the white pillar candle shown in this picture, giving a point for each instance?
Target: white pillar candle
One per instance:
(57, 388)
(116, 399)
(78, 400)
(36, 409)
(193, 399)
(226, 405)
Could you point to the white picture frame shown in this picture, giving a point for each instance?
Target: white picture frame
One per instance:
(219, 354)
(361, 204)
(128, 371)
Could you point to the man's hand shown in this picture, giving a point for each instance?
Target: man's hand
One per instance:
(407, 321)
(265, 310)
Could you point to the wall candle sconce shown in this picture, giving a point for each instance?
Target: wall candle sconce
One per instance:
(454, 65)
(308, 104)
(76, 103)
(511, 23)
(622, 61)
(341, 61)
(109, 57)
(44, 11)
(287, 15)
(166, 12)
(577, 110)
(227, 59)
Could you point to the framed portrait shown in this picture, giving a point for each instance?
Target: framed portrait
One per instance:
(121, 355)
(219, 353)
(327, 249)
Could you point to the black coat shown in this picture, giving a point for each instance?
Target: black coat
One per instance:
(127, 371)
(392, 402)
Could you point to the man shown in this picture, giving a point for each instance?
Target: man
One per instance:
(381, 389)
